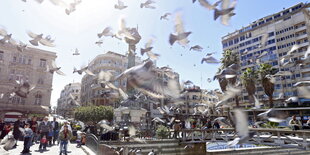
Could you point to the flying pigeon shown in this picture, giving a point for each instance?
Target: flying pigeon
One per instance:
(165, 16)
(147, 4)
(38, 38)
(273, 115)
(23, 88)
(76, 52)
(210, 59)
(99, 43)
(83, 69)
(120, 5)
(106, 32)
(54, 68)
(180, 35)
(196, 48)
(207, 5)
(148, 50)
(143, 78)
(226, 12)
(241, 123)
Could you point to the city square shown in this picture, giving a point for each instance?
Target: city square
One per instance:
(164, 77)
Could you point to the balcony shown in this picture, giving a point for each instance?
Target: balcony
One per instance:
(305, 78)
(305, 69)
(301, 36)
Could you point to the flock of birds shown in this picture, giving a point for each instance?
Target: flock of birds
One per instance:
(143, 76)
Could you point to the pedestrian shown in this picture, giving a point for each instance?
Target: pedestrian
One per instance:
(209, 124)
(28, 134)
(66, 123)
(5, 131)
(34, 127)
(16, 131)
(55, 125)
(43, 143)
(64, 137)
(177, 128)
(44, 128)
(216, 124)
(1, 127)
(294, 123)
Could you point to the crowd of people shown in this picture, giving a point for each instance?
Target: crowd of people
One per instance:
(45, 132)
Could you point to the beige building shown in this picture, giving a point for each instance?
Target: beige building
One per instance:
(91, 91)
(29, 65)
(283, 29)
(195, 96)
(68, 100)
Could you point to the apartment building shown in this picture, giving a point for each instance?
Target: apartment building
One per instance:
(283, 29)
(68, 100)
(29, 65)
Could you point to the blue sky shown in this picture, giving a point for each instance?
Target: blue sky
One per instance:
(80, 28)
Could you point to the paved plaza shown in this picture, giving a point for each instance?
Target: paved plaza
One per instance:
(52, 150)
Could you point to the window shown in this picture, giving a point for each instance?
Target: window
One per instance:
(38, 99)
(42, 63)
(29, 61)
(41, 81)
(1, 55)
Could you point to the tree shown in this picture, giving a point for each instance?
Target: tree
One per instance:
(265, 71)
(93, 113)
(229, 58)
(249, 77)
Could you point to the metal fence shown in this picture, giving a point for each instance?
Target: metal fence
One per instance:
(92, 142)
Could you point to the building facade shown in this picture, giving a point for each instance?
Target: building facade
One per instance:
(29, 65)
(91, 91)
(283, 30)
(69, 99)
(194, 96)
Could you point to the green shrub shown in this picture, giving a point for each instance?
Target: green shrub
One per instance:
(162, 132)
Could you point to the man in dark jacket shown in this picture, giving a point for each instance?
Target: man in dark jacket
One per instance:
(44, 128)
(55, 125)
(16, 131)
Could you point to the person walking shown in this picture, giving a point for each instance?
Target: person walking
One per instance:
(44, 128)
(28, 134)
(294, 123)
(16, 131)
(34, 127)
(216, 124)
(55, 125)
(64, 136)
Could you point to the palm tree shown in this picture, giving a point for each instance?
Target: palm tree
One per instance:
(248, 79)
(268, 85)
(228, 59)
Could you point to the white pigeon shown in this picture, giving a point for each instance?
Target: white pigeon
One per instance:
(6, 37)
(106, 32)
(76, 52)
(120, 5)
(207, 5)
(210, 60)
(38, 38)
(227, 11)
(123, 30)
(196, 48)
(147, 4)
(83, 69)
(148, 50)
(241, 124)
(273, 115)
(165, 16)
(54, 68)
(180, 35)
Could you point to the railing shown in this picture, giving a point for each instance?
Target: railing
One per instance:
(92, 142)
(263, 136)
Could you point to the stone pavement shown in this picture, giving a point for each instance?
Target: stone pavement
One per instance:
(52, 150)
